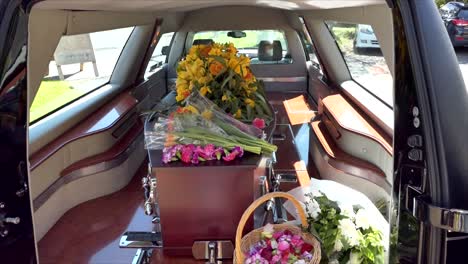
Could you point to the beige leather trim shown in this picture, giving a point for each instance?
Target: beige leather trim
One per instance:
(85, 189)
(327, 172)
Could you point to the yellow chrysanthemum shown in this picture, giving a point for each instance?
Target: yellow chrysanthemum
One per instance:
(191, 109)
(204, 90)
(238, 114)
(215, 51)
(224, 98)
(249, 102)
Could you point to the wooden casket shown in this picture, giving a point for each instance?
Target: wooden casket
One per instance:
(204, 202)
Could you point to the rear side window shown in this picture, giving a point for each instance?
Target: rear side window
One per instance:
(261, 46)
(309, 46)
(463, 14)
(361, 50)
(81, 64)
(159, 56)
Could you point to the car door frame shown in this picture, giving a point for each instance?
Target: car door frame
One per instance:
(430, 95)
(18, 244)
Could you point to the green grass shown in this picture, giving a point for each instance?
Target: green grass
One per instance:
(344, 37)
(50, 96)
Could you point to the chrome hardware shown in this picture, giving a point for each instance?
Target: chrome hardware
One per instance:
(283, 177)
(455, 220)
(149, 185)
(213, 251)
(12, 220)
(4, 233)
(142, 256)
(131, 239)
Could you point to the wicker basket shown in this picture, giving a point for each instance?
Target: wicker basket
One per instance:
(244, 244)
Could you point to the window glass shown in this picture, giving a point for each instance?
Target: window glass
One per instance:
(309, 46)
(159, 56)
(271, 45)
(463, 14)
(81, 64)
(361, 51)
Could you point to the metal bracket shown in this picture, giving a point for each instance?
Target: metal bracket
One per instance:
(213, 251)
(455, 220)
(142, 256)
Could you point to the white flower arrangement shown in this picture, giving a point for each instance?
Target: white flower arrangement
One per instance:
(347, 232)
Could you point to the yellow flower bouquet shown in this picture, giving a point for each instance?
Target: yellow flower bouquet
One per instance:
(220, 74)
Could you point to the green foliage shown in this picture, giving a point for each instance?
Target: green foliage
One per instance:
(344, 36)
(440, 3)
(326, 225)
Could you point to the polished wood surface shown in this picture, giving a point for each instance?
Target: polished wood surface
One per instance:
(340, 160)
(90, 232)
(103, 119)
(347, 117)
(298, 110)
(203, 203)
(112, 153)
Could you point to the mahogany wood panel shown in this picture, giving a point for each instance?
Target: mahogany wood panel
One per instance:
(350, 119)
(101, 120)
(340, 160)
(110, 154)
(203, 203)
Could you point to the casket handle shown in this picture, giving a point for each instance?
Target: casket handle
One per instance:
(251, 209)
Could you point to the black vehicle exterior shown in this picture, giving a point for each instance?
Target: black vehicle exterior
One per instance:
(427, 77)
(455, 17)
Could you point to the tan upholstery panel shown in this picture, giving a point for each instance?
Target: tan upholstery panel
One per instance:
(85, 189)
(327, 172)
(366, 149)
(49, 171)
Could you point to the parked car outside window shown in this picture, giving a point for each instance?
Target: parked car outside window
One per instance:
(455, 17)
(367, 67)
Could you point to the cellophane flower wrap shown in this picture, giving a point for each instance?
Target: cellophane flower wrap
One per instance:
(201, 123)
(223, 76)
(348, 233)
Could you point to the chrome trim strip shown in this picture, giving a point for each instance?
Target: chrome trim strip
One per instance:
(85, 172)
(283, 79)
(267, 79)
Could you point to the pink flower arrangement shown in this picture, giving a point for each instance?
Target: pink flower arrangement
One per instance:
(194, 154)
(258, 123)
(279, 248)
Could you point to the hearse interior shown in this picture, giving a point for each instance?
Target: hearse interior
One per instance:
(97, 69)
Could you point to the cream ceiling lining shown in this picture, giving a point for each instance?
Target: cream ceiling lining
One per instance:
(189, 5)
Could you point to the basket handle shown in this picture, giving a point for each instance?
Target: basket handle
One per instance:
(248, 212)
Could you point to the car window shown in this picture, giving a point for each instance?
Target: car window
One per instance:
(309, 46)
(81, 63)
(463, 14)
(361, 51)
(270, 44)
(159, 56)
